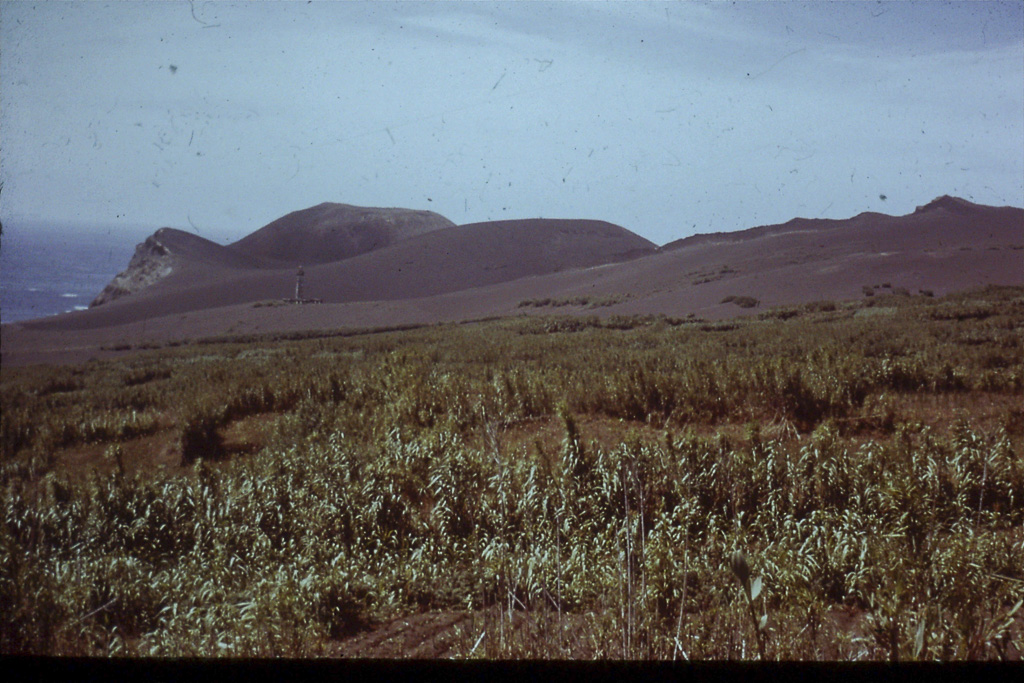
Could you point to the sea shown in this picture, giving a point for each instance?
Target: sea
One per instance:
(47, 270)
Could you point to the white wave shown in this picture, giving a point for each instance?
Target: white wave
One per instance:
(70, 296)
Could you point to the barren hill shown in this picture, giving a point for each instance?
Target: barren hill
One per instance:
(540, 266)
(190, 274)
(170, 252)
(320, 234)
(940, 211)
(946, 245)
(475, 255)
(332, 232)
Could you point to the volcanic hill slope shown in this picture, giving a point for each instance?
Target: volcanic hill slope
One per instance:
(382, 267)
(176, 272)
(947, 245)
(320, 234)
(332, 232)
(186, 256)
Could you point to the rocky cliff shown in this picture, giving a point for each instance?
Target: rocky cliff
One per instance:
(320, 234)
(151, 262)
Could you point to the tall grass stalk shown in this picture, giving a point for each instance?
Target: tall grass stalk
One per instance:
(331, 485)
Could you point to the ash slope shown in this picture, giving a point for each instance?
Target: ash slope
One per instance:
(944, 246)
(332, 232)
(320, 234)
(170, 252)
(204, 275)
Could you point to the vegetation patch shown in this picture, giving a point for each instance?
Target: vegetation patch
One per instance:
(534, 487)
(741, 301)
(704, 276)
(578, 301)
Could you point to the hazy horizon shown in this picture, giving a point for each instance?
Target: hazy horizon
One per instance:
(666, 118)
(31, 230)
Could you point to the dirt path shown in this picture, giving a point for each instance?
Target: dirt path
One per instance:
(432, 635)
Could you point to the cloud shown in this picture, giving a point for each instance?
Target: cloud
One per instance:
(667, 118)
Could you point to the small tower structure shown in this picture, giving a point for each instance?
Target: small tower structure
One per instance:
(300, 285)
(300, 290)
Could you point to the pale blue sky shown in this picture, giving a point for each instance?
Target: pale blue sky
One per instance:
(666, 118)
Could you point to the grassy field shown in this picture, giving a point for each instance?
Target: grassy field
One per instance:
(532, 487)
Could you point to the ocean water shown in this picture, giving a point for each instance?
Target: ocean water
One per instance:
(46, 271)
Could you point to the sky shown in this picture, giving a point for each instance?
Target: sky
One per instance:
(667, 118)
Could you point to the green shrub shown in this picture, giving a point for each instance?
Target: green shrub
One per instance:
(200, 437)
(741, 301)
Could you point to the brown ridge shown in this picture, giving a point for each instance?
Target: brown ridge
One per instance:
(545, 266)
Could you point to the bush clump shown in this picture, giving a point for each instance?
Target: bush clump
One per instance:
(200, 436)
(741, 301)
